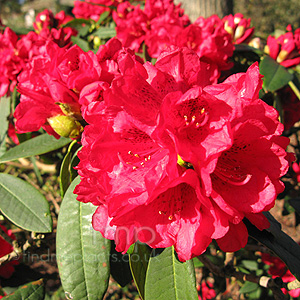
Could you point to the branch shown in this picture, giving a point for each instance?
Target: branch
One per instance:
(229, 271)
(15, 254)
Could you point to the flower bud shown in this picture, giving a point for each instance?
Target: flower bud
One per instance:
(65, 126)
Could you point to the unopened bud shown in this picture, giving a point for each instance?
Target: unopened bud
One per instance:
(240, 30)
(97, 42)
(66, 126)
(282, 56)
(228, 28)
(70, 110)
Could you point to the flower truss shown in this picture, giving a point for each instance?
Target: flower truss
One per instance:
(171, 159)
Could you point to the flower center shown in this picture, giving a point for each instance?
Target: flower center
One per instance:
(196, 120)
(232, 174)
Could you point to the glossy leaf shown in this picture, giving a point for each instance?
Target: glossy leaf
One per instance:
(119, 266)
(39, 145)
(65, 172)
(168, 278)
(279, 242)
(31, 291)
(275, 75)
(4, 113)
(83, 44)
(295, 203)
(105, 32)
(139, 259)
(23, 205)
(82, 252)
(248, 287)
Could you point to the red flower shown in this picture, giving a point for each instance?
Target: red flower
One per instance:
(5, 248)
(169, 161)
(210, 40)
(10, 63)
(49, 89)
(286, 48)
(244, 181)
(92, 9)
(207, 291)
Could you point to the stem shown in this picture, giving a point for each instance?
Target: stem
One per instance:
(295, 89)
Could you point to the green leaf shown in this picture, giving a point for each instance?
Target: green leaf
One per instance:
(295, 203)
(23, 205)
(105, 33)
(248, 287)
(31, 291)
(197, 263)
(250, 264)
(103, 16)
(139, 259)
(275, 75)
(39, 145)
(168, 278)
(279, 242)
(4, 113)
(77, 22)
(83, 44)
(65, 172)
(82, 252)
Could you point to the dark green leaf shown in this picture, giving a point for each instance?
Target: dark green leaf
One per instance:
(83, 44)
(39, 145)
(23, 205)
(103, 16)
(279, 242)
(275, 75)
(295, 203)
(248, 287)
(77, 22)
(82, 252)
(197, 263)
(31, 291)
(168, 278)
(119, 266)
(4, 113)
(139, 259)
(74, 163)
(105, 33)
(65, 172)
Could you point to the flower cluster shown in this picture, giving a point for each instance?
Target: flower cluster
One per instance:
(16, 52)
(162, 24)
(169, 156)
(285, 49)
(170, 159)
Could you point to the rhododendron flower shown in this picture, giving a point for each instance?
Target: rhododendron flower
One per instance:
(209, 39)
(279, 269)
(170, 160)
(296, 169)
(92, 9)
(244, 181)
(239, 28)
(50, 87)
(285, 49)
(157, 25)
(10, 63)
(206, 290)
(5, 248)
